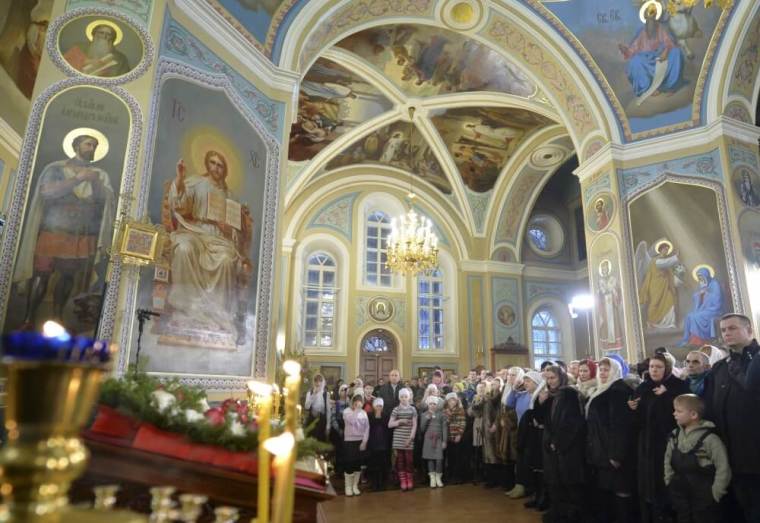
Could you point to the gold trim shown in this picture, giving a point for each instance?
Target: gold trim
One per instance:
(102, 21)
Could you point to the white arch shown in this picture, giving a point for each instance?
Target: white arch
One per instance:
(330, 244)
(354, 356)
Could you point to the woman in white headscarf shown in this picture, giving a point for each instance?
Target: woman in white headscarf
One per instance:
(713, 353)
(610, 441)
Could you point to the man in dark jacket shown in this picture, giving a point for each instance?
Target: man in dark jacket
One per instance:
(732, 400)
(389, 392)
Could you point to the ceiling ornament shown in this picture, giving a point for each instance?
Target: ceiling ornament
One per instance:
(462, 14)
(548, 156)
(412, 244)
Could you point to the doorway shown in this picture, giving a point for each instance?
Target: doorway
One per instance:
(378, 356)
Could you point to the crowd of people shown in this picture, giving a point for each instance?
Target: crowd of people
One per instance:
(590, 441)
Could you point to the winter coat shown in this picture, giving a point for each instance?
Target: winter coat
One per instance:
(390, 397)
(732, 400)
(520, 401)
(435, 433)
(379, 433)
(610, 436)
(457, 421)
(529, 437)
(506, 434)
(475, 410)
(565, 438)
(491, 453)
(713, 452)
(655, 422)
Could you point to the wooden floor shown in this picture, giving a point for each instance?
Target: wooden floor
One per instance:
(451, 503)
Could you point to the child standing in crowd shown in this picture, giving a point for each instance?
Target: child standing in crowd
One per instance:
(697, 472)
(457, 421)
(404, 421)
(475, 411)
(356, 435)
(379, 445)
(317, 407)
(434, 430)
(368, 398)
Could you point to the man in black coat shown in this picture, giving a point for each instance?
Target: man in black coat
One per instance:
(389, 392)
(732, 400)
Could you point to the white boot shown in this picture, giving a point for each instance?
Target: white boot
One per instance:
(355, 484)
(348, 479)
(439, 479)
(433, 483)
(517, 492)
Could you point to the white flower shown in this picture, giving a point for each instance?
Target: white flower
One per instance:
(162, 400)
(299, 434)
(237, 428)
(193, 415)
(203, 405)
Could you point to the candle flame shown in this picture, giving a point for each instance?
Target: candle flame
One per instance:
(51, 329)
(281, 445)
(259, 388)
(292, 368)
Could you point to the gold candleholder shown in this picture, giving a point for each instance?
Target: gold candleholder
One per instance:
(225, 514)
(105, 497)
(191, 507)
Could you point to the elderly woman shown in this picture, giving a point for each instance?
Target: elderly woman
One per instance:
(493, 456)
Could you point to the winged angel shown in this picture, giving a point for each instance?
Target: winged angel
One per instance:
(659, 273)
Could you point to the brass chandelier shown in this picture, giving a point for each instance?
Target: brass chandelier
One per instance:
(412, 245)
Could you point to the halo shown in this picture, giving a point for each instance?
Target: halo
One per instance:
(100, 151)
(599, 200)
(702, 266)
(199, 140)
(645, 6)
(102, 21)
(664, 241)
(603, 263)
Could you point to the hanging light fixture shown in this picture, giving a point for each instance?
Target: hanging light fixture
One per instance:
(412, 244)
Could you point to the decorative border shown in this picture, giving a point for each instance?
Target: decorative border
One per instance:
(17, 206)
(589, 205)
(170, 69)
(705, 165)
(350, 198)
(53, 50)
(728, 243)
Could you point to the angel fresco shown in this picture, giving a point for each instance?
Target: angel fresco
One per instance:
(707, 305)
(609, 307)
(660, 272)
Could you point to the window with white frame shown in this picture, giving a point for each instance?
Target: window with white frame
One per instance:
(546, 336)
(430, 315)
(320, 301)
(378, 230)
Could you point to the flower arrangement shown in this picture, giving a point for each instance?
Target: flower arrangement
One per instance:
(174, 407)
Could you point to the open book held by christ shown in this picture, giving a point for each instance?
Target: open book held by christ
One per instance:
(224, 210)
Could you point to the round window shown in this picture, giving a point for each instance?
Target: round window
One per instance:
(545, 235)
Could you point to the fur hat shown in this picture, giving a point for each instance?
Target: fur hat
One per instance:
(535, 377)
(452, 396)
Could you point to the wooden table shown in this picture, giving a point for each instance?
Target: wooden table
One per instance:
(136, 471)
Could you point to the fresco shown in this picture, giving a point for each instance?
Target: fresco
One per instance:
(427, 61)
(23, 28)
(749, 231)
(681, 271)
(389, 146)
(747, 185)
(481, 140)
(608, 312)
(331, 102)
(207, 189)
(600, 212)
(61, 261)
(100, 46)
(651, 63)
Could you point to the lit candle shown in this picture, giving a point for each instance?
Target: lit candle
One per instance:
(282, 448)
(293, 385)
(263, 393)
(276, 408)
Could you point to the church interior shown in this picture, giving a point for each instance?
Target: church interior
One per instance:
(222, 221)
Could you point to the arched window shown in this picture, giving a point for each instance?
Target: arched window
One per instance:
(320, 300)
(546, 336)
(430, 315)
(378, 230)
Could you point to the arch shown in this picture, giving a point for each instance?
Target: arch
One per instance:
(562, 315)
(354, 357)
(515, 31)
(334, 247)
(367, 204)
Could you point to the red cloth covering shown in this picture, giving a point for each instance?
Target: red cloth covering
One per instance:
(111, 422)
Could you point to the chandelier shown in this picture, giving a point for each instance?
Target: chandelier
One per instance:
(412, 245)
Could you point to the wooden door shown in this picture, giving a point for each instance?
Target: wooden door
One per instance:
(378, 356)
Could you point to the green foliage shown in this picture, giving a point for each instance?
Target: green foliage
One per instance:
(132, 395)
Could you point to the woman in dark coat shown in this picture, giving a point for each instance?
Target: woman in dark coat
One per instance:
(564, 442)
(611, 444)
(653, 405)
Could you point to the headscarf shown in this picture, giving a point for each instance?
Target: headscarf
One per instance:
(508, 388)
(559, 371)
(672, 361)
(623, 365)
(536, 378)
(317, 399)
(591, 364)
(666, 362)
(616, 373)
(713, 353)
